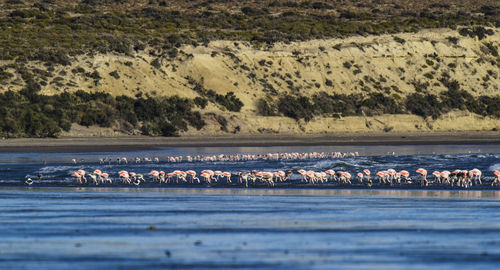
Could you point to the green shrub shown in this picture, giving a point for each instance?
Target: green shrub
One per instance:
(423, 105)
(264, 108)
(46, 116)
(296, 107)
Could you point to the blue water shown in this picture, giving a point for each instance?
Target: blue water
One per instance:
(54, 224)
(81, 228)
(56, 168)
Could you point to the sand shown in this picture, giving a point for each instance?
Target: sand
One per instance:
(129, 143)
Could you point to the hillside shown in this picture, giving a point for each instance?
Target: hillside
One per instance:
(424, 69)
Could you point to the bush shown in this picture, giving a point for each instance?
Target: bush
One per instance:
(264, 108)
(114, 74)
(423, 105)
(296, 107)
(28, 113)
(201, 102)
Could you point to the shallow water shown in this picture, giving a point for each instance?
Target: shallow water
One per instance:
(52, 225)
(56, 168)
(117, 228)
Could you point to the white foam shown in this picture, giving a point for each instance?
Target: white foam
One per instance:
(494, 167)
(53, 169)
(324, 164)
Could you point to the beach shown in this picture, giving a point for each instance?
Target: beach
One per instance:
(130, 143)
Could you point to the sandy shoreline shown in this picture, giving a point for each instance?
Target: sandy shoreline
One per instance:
(130, 143)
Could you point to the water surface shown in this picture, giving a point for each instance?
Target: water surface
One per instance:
(54, 225)
(117, 228)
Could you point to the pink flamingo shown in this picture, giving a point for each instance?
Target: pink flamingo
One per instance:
(367, 173)
(455, 177)
(207, 177)
(423, 172)
(312, 177)
(360, 177)
(106, 177)
(125, 176)
(99, 174)
(476, 173)
(211, 173)
(155, 174)
(267, 177)
(193, 176)
(445, 175)
(347, 176)
(496, 181)
(437, 176)
(82, 174)
(381, 175)
(243, 178)
(303, 173)
(331, 175)
(228, 176)
(405, 174)
(391, 175)
(78, 176)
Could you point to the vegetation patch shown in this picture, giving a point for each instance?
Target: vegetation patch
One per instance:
(29, 114)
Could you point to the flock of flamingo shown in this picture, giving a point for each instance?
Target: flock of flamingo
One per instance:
(230, 157)
(458, 178)
(390, 177)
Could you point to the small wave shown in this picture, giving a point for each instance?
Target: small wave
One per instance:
(324, 164)
(53, 169)
(494, 167)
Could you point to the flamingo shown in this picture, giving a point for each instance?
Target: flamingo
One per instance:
(155, 174)
(193, 176)
(125, 176)
(279, 176)
(312, 177)
(367, 173)
(169, 177)
(437, 176)
(228, 176)
(423, 172)
(210, 173)
(476, 173)
(82, 175)
(455, 177)
(161, 177)
(106, 177)
(360, 177)
(496, 181)
(218, 174)
(181, 176)
(99, 174)
(406, 175)
(78, 176)
(323, 177)
(331, 174)
(381, 175)
(267, 177)
(391, 174)
(94, 178)
(303, 174)
(347, 177)
(243, 178)
(464, 177)
(446, 177)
